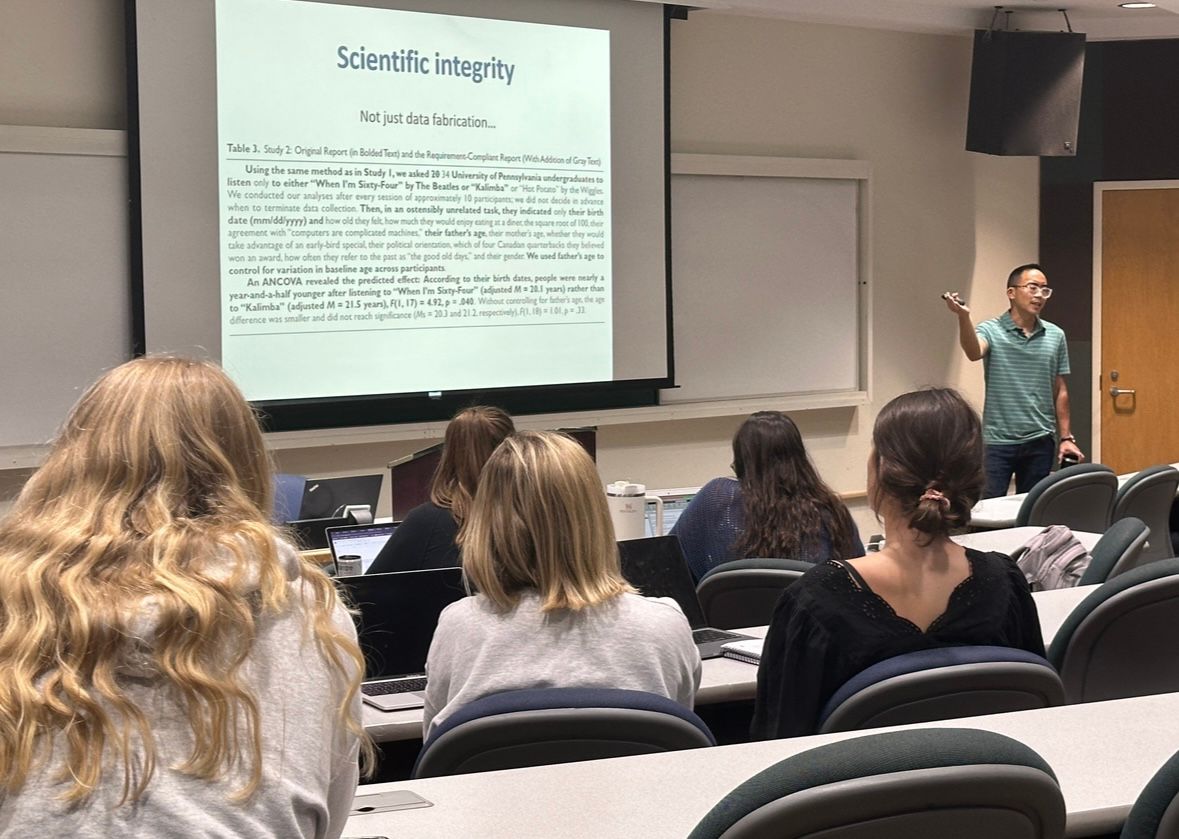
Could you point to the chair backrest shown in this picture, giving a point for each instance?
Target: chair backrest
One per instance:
(1117, 551)
(1120, 641)
(557, 725)
(1155, 815)
(1079, 497)
(941, 684)
(744, 592)
(1149, 496)
(881, 786)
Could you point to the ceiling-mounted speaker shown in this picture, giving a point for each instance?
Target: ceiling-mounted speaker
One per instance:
(1025, 93)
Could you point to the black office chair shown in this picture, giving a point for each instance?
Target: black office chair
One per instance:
(557, 725)
(744, 592)
(1155, 815)
(941, 684)
(1149, 496)
(1117, 551)
(1120, 641)
(1079, 497)
(898, 785)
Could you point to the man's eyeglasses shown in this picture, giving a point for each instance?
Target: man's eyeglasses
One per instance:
(1037, 290)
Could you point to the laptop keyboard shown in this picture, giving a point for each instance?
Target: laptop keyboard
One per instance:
(395, 686)
(707, 636)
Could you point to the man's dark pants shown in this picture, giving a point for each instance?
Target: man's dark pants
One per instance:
(1029, 461)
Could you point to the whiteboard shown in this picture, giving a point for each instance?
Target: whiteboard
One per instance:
(768, 277)
(66, 284)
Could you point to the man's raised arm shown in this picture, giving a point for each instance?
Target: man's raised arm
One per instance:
(973, 346)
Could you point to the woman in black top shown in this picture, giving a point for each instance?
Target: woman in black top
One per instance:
(919, 592)
(426, 538)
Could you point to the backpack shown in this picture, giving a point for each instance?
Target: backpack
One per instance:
(1053, 559)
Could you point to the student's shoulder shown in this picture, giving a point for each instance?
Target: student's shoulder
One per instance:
(428, 512)
(653, 609)
(722, 487)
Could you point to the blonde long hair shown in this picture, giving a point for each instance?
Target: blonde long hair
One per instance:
(471, 437)
(539, 521)
(156, 492)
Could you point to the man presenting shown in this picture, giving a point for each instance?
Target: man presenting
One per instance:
(1025, 360)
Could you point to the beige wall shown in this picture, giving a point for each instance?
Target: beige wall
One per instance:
(942, 218)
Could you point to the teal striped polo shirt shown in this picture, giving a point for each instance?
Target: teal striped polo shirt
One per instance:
(1020, 372)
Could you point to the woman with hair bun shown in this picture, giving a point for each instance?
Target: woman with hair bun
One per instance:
(169, 666)
(921, 591)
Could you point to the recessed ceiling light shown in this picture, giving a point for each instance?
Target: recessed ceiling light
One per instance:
(1137, 5)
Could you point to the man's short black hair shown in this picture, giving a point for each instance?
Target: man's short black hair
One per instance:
(1013, 277)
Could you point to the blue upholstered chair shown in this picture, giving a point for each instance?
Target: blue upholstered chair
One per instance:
(557, 725)
(1117, 551)
(1155, 815)
(1079, 497)
(744, 592)
(941, 684)
(1121, 641)
(955, 782)
(1149, 496)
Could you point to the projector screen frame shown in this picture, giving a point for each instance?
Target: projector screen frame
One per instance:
(416, 407)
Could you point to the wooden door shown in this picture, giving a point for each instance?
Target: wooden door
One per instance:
(1139, 327)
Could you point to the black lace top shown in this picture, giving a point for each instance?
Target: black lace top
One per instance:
(830, 625)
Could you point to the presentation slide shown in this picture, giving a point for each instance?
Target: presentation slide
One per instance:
(411, 201)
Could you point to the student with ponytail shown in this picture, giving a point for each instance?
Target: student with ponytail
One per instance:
(921, 591)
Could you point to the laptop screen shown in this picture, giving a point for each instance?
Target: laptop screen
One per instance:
(397, 615)
(324, 497)
(657, 568)
(362, 540)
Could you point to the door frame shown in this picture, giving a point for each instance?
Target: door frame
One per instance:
(1097, 391)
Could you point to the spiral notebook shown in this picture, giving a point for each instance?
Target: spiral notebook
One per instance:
(748, 651)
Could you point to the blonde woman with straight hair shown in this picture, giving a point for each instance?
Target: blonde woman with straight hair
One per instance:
(426, 539)
(552, 608)
(169, 667)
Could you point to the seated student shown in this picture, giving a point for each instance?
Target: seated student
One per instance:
(426, 539)
(777, 506)
(168, 666)
(919, 592)
(552, 608)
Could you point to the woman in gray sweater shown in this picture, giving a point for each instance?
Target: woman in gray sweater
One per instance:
(168, 666)
(552, 608)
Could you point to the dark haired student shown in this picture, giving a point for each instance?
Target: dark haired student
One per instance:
(426, 539)
(777, 506)
(921, 591)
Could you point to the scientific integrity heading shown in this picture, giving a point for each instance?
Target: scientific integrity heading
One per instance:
(413, 61)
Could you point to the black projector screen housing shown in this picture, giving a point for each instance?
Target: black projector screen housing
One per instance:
(373, 214)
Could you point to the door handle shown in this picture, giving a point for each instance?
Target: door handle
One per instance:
(1115, 392)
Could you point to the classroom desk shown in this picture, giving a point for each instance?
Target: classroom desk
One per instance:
(990, 513)
(722, 679)
(1103, 753)
(1008, 539)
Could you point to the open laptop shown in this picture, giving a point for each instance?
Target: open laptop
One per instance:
(311, 534)
(657, 568)
(396, 617)
(362, 540)
(327, 497)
